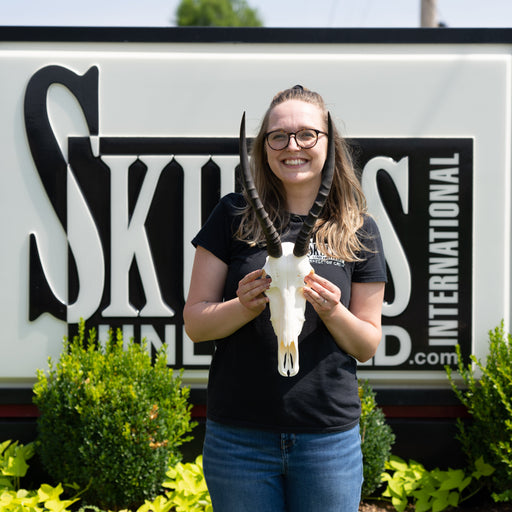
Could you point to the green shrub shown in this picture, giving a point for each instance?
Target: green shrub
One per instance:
(110, 419)
(376, 440)
(488, 397)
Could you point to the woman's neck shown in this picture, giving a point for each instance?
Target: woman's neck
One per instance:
(300, 201)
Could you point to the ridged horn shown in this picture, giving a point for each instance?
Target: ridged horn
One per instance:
(274, 248)
(301, 247)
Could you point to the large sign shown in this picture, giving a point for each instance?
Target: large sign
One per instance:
(424, 207)
(115, 154)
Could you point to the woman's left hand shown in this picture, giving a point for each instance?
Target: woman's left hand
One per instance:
(323, 295)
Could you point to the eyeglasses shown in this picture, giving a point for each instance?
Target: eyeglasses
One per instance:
(305, 139)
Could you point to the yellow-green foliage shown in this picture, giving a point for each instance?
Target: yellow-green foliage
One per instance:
(430, 491)
(46, 498)
(188, 490)
(187, 487)
(13, 463)
(13, 466)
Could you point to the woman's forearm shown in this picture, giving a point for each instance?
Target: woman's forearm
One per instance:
(356, 337)
(214, 320)
(357, 329)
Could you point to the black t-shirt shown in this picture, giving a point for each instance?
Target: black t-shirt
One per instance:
(244, 386)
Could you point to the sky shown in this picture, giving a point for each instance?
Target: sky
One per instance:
(275, 13)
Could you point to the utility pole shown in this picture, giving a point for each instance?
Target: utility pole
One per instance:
(429, 13)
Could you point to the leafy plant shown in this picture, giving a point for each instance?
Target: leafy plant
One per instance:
(110, 419)
(13, 466)
(188, 490)
(186, 483)
(13, 463)
(46, 498)
(487, 394)
(376, 440)
(434, 490)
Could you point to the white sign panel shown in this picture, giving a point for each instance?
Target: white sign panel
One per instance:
(113, 154)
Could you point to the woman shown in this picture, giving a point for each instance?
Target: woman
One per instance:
(277, 443)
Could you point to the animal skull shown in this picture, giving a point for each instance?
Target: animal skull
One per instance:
(287, 305)
(287, 263)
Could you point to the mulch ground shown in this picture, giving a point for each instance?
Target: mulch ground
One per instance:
(476, 504)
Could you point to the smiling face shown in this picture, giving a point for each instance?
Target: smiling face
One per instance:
(294, 166)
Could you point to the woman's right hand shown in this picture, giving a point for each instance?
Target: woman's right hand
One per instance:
(251, 290)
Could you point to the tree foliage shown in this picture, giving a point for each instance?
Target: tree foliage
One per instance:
(216, 13)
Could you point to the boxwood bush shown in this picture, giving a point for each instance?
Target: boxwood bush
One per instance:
(486, 391)
(112, 420)
(377, 439)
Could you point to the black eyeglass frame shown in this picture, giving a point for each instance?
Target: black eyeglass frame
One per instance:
(289, 134)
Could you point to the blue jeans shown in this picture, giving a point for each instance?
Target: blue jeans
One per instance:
(256, 471)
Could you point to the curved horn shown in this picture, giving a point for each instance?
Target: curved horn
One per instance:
(302, 242)
(274, 248)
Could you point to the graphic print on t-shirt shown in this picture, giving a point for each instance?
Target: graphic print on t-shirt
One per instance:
(315, 256)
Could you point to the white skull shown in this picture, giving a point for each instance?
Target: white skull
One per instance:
(287, 305)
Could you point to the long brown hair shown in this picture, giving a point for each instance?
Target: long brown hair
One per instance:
(344, 211)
